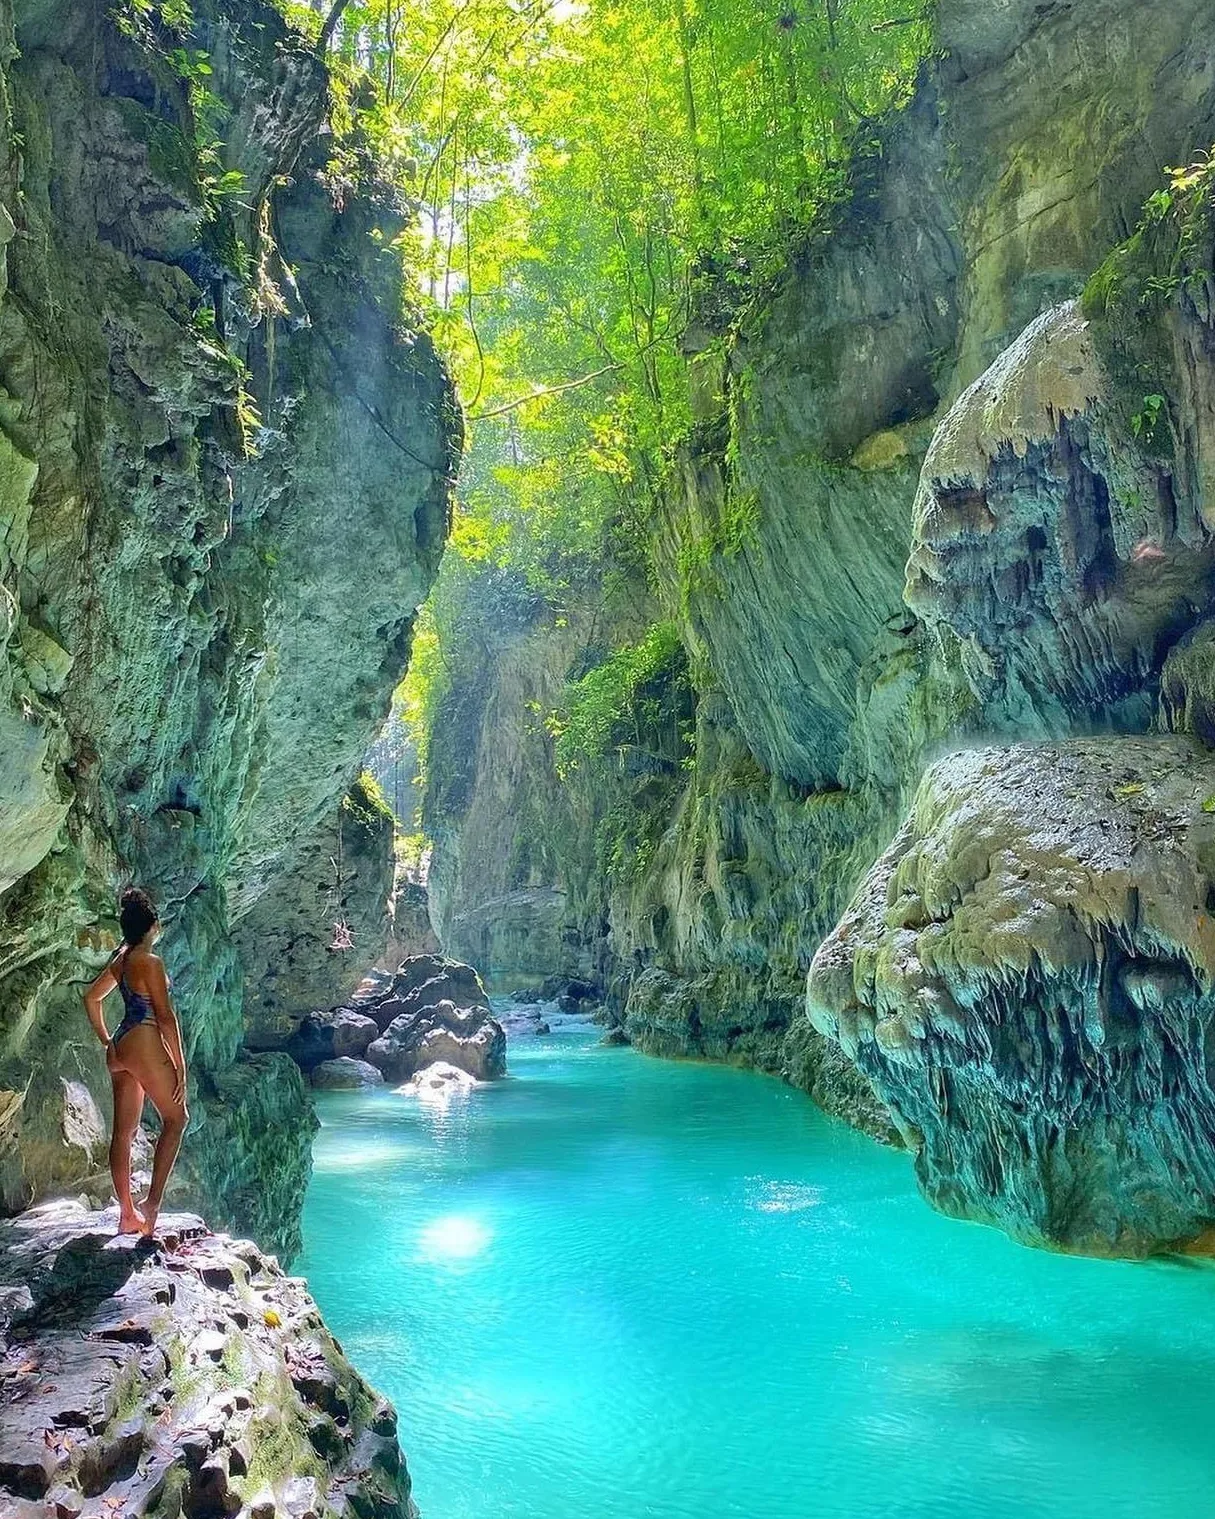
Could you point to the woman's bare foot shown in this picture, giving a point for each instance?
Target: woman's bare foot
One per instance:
(130, 1221)
(148, 1223)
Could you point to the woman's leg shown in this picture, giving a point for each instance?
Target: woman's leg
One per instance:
(128, 1106)
(144, 1055)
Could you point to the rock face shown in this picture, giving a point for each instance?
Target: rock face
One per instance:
(342, 878)
(511, 886)
(199, 463)
(195, 1378)
(410, 931)
(1028, 978)
(948, 484)
(1063, 557)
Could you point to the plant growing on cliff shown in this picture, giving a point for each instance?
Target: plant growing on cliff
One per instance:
(616, 707)
(1170, 256)
(583, 174)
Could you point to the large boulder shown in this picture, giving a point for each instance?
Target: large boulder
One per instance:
(430, 1009)
(345, 1074)
(352, 1031)
(466, 1037)
(340, 1032)
(422, 982)
(1027, 976)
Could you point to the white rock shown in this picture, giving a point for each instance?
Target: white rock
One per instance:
(438, 1082)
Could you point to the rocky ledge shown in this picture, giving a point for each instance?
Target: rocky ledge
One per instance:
(432, 1009)
(1027, 976)
(190, 1378)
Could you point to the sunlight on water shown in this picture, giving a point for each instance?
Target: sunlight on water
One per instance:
(620, 1288)
(453, 1238)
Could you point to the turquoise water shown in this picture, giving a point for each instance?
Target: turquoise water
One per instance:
(613, 1287)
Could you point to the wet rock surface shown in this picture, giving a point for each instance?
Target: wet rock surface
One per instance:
(466, 1037)
(190, 1378)
(438, 1083)
(1027, 976)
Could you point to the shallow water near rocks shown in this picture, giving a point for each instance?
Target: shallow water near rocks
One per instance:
(612, 1287)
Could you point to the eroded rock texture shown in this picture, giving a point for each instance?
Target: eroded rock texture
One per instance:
(204, 449)
(931, 499)
(307, 942)
(433, 1009)
(1063, 557)
(195, 1378)
(1027, 975)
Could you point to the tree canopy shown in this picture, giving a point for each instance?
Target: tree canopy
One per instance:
(586, 173)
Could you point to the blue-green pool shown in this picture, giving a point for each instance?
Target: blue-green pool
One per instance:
(613, 1287)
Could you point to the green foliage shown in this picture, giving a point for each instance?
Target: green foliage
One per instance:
(191, 157)
(366, 804)
(1145, 422)
(583, 174)
(1170, 255)
(619, 703)
(162, 30)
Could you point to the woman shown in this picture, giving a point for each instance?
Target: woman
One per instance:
(144, 1057)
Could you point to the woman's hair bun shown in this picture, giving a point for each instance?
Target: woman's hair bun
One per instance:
(136, 913)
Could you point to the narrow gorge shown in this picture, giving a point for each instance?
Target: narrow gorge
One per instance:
(946, 486)
(534, 529)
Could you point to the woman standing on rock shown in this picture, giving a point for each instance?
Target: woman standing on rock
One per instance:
(144, 1058)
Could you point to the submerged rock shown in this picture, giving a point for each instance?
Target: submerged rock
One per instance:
(527, 1020)
(334, 1075)
(191, 1378)
(1028, 978)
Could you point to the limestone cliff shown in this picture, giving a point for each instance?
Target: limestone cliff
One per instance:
(217, 411)
(928, 501)
(1027, 976)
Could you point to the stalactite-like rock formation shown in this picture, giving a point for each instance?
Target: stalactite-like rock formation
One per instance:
(1028, 977)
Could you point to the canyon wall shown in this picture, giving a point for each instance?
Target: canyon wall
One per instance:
(948, 485)
(218, 412)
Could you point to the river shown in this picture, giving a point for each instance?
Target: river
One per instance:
(612, 1287)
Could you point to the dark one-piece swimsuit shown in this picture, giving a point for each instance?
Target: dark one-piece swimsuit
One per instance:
(137, 1008)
